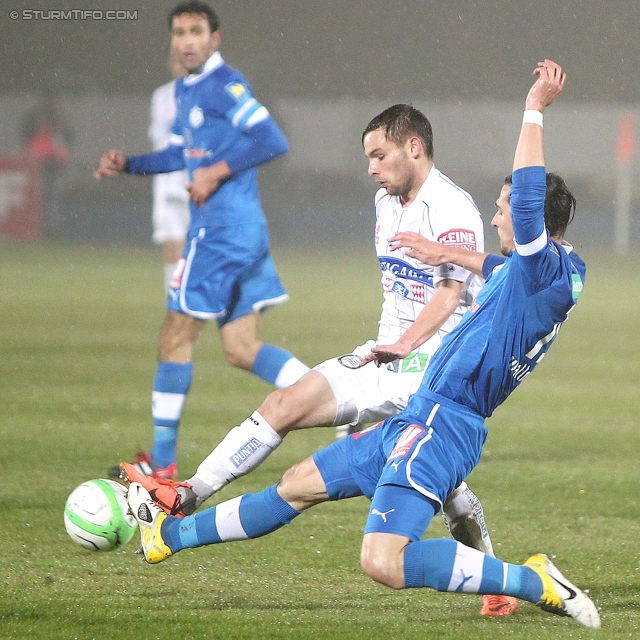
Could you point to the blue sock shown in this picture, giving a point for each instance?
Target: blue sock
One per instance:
(249, 516)
(447, 565)
(170, 387)
(269, 362)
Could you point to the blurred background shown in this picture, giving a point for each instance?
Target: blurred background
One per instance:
(324, 69)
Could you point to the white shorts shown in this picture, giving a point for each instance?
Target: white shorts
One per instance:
(370, 393)
(171, 217)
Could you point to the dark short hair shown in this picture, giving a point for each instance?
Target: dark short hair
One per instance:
(559, 205)
(401, 122)
(196, 7)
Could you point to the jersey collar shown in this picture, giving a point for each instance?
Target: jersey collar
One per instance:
(210, 65)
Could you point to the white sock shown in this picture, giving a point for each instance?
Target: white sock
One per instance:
(242, 450)
(464, 516)
(290, 373)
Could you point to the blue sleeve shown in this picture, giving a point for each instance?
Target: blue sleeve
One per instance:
(527, 204)
(490, 263)
(267, 142)
(538, 258)
(163, 161)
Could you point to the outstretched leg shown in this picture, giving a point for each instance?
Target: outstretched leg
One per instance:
(394, 555)
(241, 518)
(464, 517)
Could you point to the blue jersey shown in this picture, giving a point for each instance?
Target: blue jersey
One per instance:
(517, 314)
(218, 119)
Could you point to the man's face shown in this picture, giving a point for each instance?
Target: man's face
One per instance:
(192, 41)
(390, 165)
(502, 221)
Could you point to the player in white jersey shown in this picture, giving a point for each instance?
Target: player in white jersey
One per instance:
(170, 197)
(421, 304)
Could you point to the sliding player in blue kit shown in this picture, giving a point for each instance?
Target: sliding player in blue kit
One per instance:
(409, 463)
(221, 134)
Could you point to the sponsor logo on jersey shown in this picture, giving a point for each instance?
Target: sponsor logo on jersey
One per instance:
(246, 451)
(406, 441)
(419, 293)
(197, 153)
(401, 269)
(237, 90)
(415, 363)
(400, 289)
(196, 117)
(415, 292)
(463, 238)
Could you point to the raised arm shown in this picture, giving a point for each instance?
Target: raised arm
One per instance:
(529, 179)
(530, 149)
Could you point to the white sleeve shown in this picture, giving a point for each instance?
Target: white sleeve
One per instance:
(162, 115)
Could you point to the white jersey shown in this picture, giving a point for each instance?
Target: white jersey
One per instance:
(170, 198)
(441, 212)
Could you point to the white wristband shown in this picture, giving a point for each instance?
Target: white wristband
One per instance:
(532, 116)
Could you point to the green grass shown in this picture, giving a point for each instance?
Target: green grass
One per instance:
(77, 350)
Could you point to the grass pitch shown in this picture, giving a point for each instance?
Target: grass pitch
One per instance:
(78, 341)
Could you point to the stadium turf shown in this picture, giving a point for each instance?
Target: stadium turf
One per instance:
(78, 341)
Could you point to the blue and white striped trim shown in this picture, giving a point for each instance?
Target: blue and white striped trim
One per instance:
(228, 522)
(248, 114)
(269, 302)
(534, 246)
(467, 570)
(416, 451)
(202, 315)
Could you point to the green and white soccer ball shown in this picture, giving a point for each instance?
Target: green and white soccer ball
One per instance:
(96, 515)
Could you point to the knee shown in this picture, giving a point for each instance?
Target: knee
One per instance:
(290, 478)
(177, 336)
(279, 409)
(241, 353)
(302, 486)
(382, 568)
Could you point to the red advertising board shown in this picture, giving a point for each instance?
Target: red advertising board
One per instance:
(20, 197)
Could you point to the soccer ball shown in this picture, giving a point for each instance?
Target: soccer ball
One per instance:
(96, 516)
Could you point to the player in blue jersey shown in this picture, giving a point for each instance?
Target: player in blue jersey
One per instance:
(221, 134)
(409, 463)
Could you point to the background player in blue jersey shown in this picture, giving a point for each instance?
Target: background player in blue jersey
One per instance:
(409, 463)
(221, 134)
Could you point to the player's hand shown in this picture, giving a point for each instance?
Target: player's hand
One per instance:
(206, 181)
(112, 163)
(547, 87)
(384, 354)
(418, 247)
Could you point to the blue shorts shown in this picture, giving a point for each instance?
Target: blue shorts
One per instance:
(226, 273)
(409, 463)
